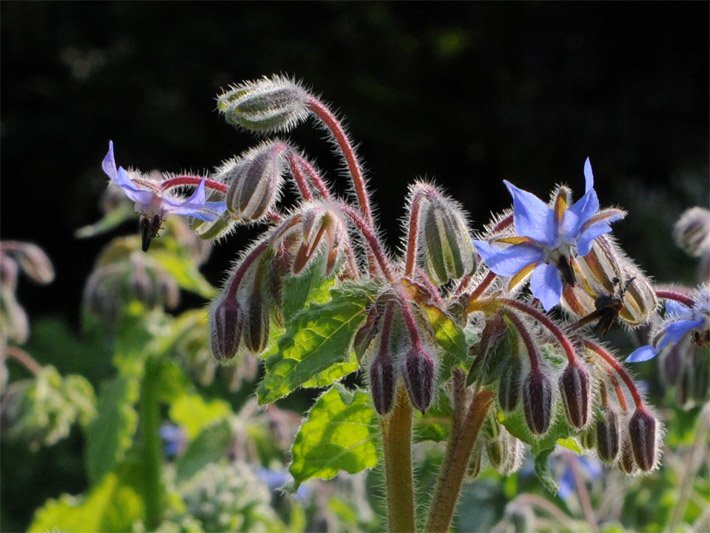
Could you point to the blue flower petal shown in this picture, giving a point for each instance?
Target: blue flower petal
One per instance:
(676, 309)
(579, 213)
(566, 486)
(588, 176)
(675, 331)
(642, 354)
(194, 206)
(546, 285)
(120, 177)
(507, 261)
(532, 217)
(109, 163)
(584, 242)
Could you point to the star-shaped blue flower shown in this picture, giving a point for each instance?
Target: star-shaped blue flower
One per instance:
(151, 200)
(548, 238)
(681, 321)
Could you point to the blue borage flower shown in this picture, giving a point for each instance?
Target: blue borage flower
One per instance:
(681, 321)
(548, 238)
(587, 467)
(152, 200)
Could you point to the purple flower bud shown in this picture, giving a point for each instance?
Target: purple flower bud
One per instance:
(255, 181)
(537, 402)
(643, 437)
(256, 323)
(382, 384)
(574, 388)
(608, 436)
(323, 232)
(265, 105)
(419, 374)
(671, 364)
(626, 461)
(225, 325)
(692, 232)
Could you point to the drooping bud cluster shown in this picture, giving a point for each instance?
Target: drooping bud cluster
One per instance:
(322, 231)
(266, 105)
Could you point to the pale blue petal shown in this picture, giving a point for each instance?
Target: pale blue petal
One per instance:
(676, 309)
(566, 486)
(109, 163)
(579, 213)
(532, 217)
(195, 205)
(143, 198)
(675, 331)
(584, 243)
(546, 285)
(507, 261)
(588, 176)
(639, 355)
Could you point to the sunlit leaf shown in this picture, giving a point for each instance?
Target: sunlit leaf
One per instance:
(193, 413)
(340, 434)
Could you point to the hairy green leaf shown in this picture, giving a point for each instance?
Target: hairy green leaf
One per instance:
(308, 288)
(340, 433)
(315, 339)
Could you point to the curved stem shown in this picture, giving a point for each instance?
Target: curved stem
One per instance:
(397, 448)
(613, 363)
(458, 454)
(326, 116)
(303, 171)
(25, 359)
(482, 286)
(180, 181)
(420, 192)
(527, 340)
(676, 296)
(372, 239)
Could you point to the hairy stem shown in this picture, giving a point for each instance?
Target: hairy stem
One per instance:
(25, 359)
(399, 480)
(180, 181)
(613, 363)
(151, 447)
(676, 296)
(458, 454)
(372, 239)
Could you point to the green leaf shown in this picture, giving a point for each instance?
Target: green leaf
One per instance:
(182, 267)
(193, 413)
(340, 433)
(315, 339)
(333, 373)
(109, 221)
(207, 448)
(111, 506)
(110, 434)
(308, 288)
(449, 336)
(542, 471)
(435, 424)
(516, 425)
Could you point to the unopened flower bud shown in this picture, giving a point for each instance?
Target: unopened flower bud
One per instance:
(537, 402)
(256, 323)
(382, 384)
(626, 461)
(255, 181)
(643, 437)
(34, 262)
(367, 332)
(692, 231)
(608, 435)
(8, 273)
(419, 373)
(474, 465)
(323, 231)
(576, 397)
(265, 105)
(509, 384)
(225, 325)
(445, 239)
(671, 364)
(588, 438)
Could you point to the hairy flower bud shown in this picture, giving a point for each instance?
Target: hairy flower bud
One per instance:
(509, 384)
(608, 435)
(537, 402)
(225, 325)
(256, 323)
(692, 231)
(474, 465)
(576, 397)
(33, 261)
(382, 384)
(255, 181)
(419, 375)
(588, 438)
(626, 460)
(643, 435)
(367, 332)
(323, 232)
(266, 105)
(445, 240)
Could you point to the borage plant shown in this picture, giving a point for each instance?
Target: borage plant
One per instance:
(452, 344)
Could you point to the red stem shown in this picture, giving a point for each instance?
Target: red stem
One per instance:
(677, 296)
(537, 315)
(325, 115)
(482, 286)
(612, 362)
(504, 223)
(527, 340)
(179, 181)
(372, 239)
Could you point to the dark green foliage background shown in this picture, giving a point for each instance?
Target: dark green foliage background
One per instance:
(466, 93)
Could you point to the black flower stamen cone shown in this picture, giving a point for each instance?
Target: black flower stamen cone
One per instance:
(574, 387)
(537, 402)
(642, 434)
(382, 384)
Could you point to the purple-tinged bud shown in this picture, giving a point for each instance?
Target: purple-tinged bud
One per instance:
(671, 364)
(225, 325)
(34, 262)
(537, 402)
(382, 384)
(256, 323)
(626, 461)
(509, 384)
(608, 435)
(692, 232)
(419, 374)
(266, 105)
(255, 181)
(576, 397)
(446, 242)
(643, 434)
(323, 232)
(367, 332)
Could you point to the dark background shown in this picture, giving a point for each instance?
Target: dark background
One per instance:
(465, 93)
